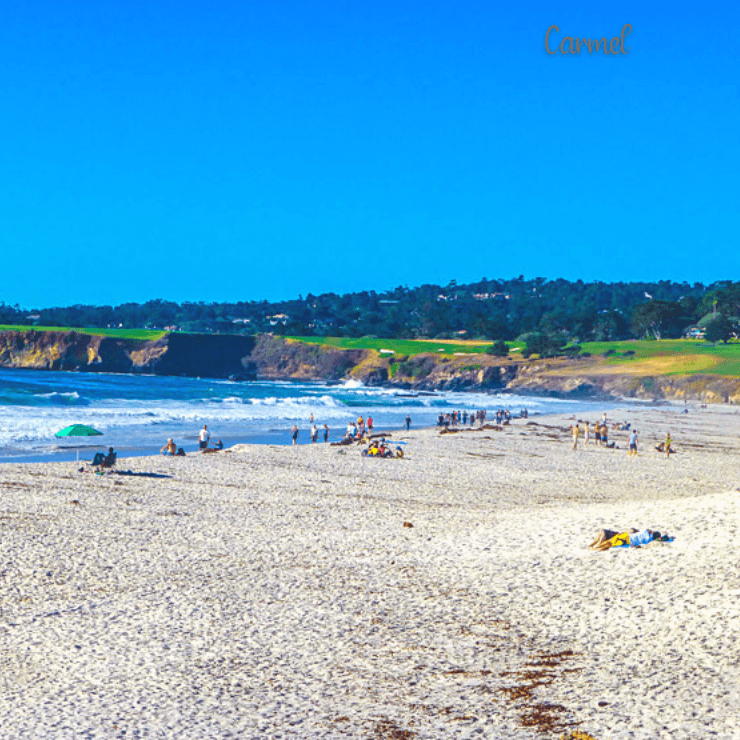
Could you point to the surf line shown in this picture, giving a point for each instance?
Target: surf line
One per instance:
(574, 45)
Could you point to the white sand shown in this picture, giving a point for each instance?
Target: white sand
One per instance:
(274, 591)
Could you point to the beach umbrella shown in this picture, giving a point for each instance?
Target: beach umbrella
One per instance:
(78, 430)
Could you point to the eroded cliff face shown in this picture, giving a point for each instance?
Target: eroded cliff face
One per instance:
(216, 356)
(270, 357)
(278, 358)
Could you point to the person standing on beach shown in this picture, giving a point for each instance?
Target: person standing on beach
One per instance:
(576, 430)
(314, 434)
(203, 436)
(326, 433)
(294, 434)
(369, 423)
(633, 442)
(668, 441)
(586, 434)
(408, 422)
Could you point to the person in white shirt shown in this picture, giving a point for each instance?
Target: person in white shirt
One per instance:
(203, 436)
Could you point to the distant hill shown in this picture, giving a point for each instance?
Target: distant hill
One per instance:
(572, 311)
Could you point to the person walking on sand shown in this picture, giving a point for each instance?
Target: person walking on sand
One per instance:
(667, 443)
(586, 434)
(633, 442)
(294, 434)
(576, 430)
(203, 436)
(408, 422)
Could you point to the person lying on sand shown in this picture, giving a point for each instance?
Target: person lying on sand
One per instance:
(633, 538)
(604, 535)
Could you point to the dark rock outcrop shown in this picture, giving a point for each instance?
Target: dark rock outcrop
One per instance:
(216, 356)
(275, 357)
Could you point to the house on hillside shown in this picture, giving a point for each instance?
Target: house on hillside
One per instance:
(278, 318)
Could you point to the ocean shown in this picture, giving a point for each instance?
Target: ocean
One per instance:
(137, 413)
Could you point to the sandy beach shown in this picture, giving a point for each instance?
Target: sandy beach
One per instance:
(308, 592)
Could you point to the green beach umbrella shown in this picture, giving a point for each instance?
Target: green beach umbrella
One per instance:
(78, 430)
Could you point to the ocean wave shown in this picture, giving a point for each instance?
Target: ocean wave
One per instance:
(70, 395)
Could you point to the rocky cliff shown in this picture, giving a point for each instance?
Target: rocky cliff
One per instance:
(267, 356)
(215, 356)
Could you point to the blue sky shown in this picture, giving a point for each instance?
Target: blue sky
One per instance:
(248, 150)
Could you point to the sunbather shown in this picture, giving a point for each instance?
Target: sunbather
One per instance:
(604, 535)
(170, 448)
(633, 538)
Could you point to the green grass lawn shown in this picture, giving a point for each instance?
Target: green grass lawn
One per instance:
(728, 355)
(399, 346)
(148, 334)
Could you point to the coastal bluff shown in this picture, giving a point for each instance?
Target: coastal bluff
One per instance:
(194, 355)
(269, 357)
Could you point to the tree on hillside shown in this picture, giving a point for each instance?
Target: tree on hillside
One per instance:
(544, 345)
(719, 329)
(659, 319)
(498, 349)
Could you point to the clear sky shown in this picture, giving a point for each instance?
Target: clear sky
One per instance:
(216, 151)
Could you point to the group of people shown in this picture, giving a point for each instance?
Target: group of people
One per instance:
(356, 429)
(601, 436)
(204, 437)
(313, 432)
(381, 449)
(455, 418)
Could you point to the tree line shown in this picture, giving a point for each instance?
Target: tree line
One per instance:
(561, 311)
